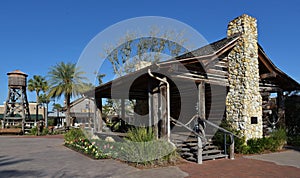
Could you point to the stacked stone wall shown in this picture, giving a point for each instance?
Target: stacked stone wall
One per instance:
(243, 101)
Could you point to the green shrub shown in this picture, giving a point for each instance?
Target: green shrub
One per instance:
(140, 134)
(141, 147)
(239, 143)
(150, 152)
(50, 122)
(57, 132)
(294, 140)
(74, 134)
(45, 131)
(279, 136)
(256, 145)
(34, 131)
(274, 142)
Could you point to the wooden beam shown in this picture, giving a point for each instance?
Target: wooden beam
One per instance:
(217, 72)
(268, 75)
(216, 81)
(269, 89)
(262, 58)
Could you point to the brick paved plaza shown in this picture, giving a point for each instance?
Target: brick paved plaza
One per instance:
(47, 157)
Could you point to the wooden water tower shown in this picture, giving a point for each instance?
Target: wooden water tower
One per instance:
(16, 105)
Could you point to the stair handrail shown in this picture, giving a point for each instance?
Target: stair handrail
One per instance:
(232, 135)
(199, 140)
(186, 127)
(218, 127)
(194, 117)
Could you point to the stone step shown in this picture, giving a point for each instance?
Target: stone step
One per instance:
(186, 154)
(213, 157)
(208, 147)
(185, 150)
(192, 159)
(180, 145)
(187, 144)
(210, 152)
(182, 133)
(191, 144)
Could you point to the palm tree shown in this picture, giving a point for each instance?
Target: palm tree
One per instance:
(57, 107)
(37, 84)
(100, 77)
(45, 100)
(66, 80)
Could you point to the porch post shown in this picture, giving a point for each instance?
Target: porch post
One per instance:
(98, 109)
(163, 108)
(200, 151)
(150, 104)
(123, 115)
(280, 107)
(201, 105)
(201, 100)
(96, 123)
(155, 107)
(201, 113)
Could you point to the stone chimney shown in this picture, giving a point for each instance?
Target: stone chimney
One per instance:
(243, 102)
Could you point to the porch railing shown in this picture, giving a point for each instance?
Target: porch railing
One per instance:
(201, 139)
(225, 132)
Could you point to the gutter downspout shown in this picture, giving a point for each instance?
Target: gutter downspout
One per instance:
(168, 102)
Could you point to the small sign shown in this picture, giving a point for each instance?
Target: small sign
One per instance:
(253, 120)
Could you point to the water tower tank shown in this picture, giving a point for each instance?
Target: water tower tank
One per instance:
(16, 109)
(17, 79)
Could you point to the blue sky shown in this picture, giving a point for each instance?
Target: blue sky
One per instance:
(35, 35)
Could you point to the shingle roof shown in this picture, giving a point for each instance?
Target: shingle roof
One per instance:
(209, 49)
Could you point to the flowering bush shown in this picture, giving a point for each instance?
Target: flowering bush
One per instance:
(111, 149)
(85, 146)
(96, 149)
(139, 147)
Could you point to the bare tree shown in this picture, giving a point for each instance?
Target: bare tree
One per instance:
(132, 49)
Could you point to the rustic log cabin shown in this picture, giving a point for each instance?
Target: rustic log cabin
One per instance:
(232, 78)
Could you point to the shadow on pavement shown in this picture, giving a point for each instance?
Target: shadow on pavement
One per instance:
(19, 173)
(4, 161)
(292, 148)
